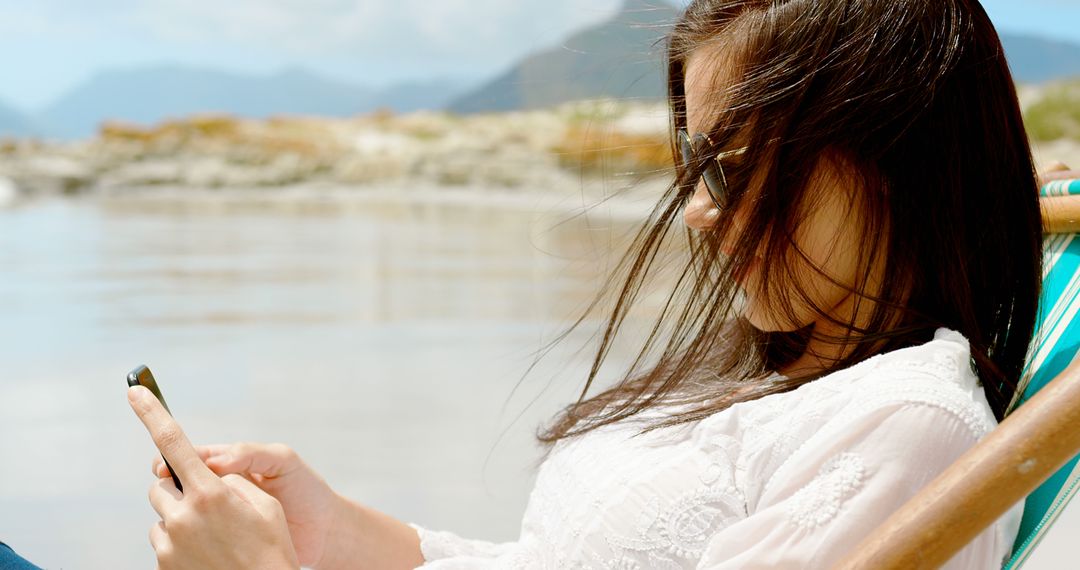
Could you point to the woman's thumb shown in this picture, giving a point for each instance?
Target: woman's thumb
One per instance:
(222, 464)
(268, 460)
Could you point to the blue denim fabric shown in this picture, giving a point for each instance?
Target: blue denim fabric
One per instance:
(11, 561)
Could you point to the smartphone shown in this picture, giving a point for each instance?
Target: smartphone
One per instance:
(142, 376)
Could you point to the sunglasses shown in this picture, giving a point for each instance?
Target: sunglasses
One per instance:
(715, 181)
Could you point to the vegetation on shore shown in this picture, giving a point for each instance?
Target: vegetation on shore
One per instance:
(1056, 113)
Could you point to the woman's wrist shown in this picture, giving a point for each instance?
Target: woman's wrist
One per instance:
(364, 538)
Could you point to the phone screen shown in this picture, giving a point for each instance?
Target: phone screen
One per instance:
(142, 376)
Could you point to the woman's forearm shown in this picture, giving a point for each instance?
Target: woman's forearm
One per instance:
(365, 539)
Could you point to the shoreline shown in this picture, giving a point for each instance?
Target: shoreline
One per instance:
(622, 203)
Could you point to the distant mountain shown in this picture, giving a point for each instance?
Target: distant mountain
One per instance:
(618, 58)
(1038, 60)
(14, 123)
(415, 95)
(150, 94)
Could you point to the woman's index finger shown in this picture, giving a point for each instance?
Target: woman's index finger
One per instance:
(168, 437)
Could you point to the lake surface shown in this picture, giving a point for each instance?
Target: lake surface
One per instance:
(384, 344)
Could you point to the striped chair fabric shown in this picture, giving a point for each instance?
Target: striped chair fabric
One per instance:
(1056, 344)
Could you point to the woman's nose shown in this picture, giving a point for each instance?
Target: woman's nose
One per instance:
(700, 213)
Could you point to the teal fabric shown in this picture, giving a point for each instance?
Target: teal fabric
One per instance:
(1061, 188)
(1056, 344)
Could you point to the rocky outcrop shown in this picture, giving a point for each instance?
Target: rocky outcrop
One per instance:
(532, 149)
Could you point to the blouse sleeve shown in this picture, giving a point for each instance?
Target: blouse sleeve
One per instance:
(444, 550)
(834, 491)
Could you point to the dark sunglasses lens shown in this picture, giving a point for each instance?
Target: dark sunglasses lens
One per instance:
(715, 183)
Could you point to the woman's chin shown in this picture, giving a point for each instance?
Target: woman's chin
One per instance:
(746, 309)
(754, 314)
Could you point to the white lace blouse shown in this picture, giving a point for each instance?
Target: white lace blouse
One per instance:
(792, 480)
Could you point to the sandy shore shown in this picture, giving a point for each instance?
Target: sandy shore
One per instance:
(626, 202)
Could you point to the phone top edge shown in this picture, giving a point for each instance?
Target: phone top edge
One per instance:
(133, 376)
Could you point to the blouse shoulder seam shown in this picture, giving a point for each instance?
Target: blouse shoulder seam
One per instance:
(966, 413)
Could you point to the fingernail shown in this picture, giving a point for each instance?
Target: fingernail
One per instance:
(136, 394)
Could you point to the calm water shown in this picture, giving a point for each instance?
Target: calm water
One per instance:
(382, 344)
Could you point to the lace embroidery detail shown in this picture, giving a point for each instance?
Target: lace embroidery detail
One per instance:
(712, 474)
(683, 529)
(947, 398)
(613, 500)
(820, 500)
(940, 366)
(940, 381)
(622, 564)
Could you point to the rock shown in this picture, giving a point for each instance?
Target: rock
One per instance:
(9, 192)
(508, 150)
(154, 172)
(53, 173)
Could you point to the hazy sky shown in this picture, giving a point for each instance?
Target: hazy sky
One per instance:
(47, 46)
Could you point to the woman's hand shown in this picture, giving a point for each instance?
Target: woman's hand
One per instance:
(217, 522)
(310, 504)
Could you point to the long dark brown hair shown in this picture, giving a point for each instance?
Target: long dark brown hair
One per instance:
(915, 99)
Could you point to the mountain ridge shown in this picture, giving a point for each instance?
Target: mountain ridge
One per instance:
(1035, 59)
(148, 94)
(616, 58)
(558, 70)
(14, 122)
(620, 57)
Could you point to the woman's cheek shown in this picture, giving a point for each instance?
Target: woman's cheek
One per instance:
(769, 315)
(828, 255)
(766, 313)
(829, 240)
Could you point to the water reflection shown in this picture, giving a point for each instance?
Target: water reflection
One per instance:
(381, 342)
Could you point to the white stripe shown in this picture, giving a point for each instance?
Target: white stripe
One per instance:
(1060, 304)
(1064, 496)
(1047, 336)
(1053, 247)
(1058, 188)
(1058, 320)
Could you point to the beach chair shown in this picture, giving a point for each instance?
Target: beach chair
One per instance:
(1032, 455)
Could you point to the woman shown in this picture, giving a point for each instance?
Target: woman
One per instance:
(860, 290)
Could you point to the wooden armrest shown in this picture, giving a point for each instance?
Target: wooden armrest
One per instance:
(1027, 448)
(1061, 214)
